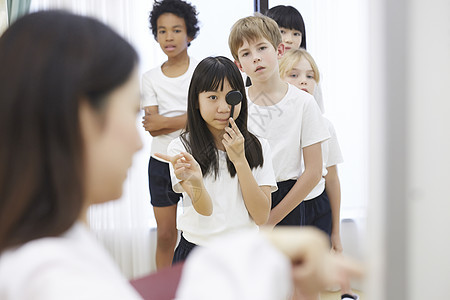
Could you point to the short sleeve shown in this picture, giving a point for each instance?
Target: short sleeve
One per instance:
(334, 151)
(314, 129)
(148, 92)
(265, 175)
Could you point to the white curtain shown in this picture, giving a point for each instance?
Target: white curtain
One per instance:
(3, 16)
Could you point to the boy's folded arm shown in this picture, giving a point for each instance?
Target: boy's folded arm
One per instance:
(175, 123)
(157, 124)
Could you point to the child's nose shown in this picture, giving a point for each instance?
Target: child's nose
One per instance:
(223, 106)
(302, 79)
(288, 38)
(256, 58)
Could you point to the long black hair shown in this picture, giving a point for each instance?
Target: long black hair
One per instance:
(209, 75)
(51, 62)
(289, 17)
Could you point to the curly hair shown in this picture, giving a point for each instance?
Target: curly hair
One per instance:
(179, 8)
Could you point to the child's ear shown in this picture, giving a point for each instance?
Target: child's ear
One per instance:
(280, 50)
(189, 40)
(238, 64)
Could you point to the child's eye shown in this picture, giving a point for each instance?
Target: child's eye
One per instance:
(244, 54)
(282, 31)
(262, 48)
(293, 75)
(297, 34)
(310, 76)
(213, 97)
(161, 31)
(177, 30)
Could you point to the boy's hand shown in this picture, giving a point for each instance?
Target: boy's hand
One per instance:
(152, 122)
(234, 143)
(185, 166)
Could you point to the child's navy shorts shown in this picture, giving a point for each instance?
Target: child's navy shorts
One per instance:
(318, 213)
(160, 185)
(297, 216)
(183, 250)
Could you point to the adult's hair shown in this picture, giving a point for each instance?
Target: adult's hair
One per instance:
(50, 63)
(288, 17)
(209, 75)
(292, 57)
(253, 28)
(179, 8)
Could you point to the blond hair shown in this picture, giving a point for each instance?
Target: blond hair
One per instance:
(253, 28)
(292, 57)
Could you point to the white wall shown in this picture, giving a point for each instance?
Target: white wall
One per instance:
(429, 140)
(215, 25)
(409, 205)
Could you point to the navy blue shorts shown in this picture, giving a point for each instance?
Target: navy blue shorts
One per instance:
(297, 216)
(183, 249)
(160, 185)
(318, 213)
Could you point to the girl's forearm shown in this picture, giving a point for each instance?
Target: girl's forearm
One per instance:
(201, 201)
(257, 201)
(161, 132)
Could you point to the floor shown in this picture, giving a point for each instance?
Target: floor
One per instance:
(337, 296)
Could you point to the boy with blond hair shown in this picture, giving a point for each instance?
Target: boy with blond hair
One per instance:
(286, 116)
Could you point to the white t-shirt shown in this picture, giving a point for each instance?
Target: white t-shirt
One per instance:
(229, 211)
(289, 125)
(241, 266)
(72, 266)
(170, 95)
(331, 156)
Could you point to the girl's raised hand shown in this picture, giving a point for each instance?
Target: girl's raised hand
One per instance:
(185, 166)
(234, 143)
